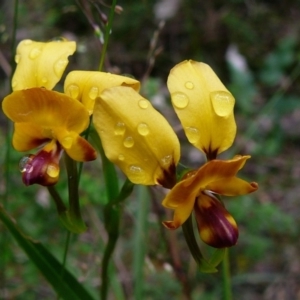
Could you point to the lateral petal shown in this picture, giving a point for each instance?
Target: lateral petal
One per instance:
(41, 64)
(86, 86)
(136, 137)
(76, 146)
(232, 187)
(203, 105)
(181, 213)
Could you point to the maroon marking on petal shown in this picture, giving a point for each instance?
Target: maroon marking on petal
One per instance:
(216, 226)
(168, 177)
(34, 168)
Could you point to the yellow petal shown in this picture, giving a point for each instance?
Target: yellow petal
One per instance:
(181, 213)
(77, 147)
(47, 109)
(193, 185)
(136, 137)
(86, 86)
(41, 64)
(204, 107)
(28, 136)
(216, 171)
(232, 187)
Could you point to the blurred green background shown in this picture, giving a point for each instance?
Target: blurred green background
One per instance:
(254, 47)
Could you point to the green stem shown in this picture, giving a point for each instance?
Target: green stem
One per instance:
(107, 33)
(74, 206)
(227, 293)
(67, 243)
(140, 241)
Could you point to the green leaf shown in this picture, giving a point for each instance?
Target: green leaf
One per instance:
(67, 287)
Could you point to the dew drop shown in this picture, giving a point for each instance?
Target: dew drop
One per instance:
(192, 134)
(44, 80)
(52, 170)
(128, 142)
(17, 58)
(34, 53)
(180, 100)
(119, 128)
(73, 91)
(222, 102)
(93, 93)
(166, 160)
(143, 104)
(121, 157)
(60, 66)
(189, 85)
(143, 129)
(67, 142)
(135, 169)
(25, 164)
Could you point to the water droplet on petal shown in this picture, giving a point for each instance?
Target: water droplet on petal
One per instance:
(17, 58)
(192, 134)
(180, 100)
(166, 160)
(44, 80)
(34, 53)
(93, 93)
(121, 157)
(222, 102)
(143, 129)
(67, 142)
(53, 170)
(60, 66)
(73, 91)
(143, 104)
(189, 85)
(135, 169)
(24, 164)
(128, 142)
(119, 128)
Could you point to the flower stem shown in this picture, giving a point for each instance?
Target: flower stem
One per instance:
(107, 33)
(227, 293)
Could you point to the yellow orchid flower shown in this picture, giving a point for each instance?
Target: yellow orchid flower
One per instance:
(47, 118)
(197, 191)
(44, 118)
(136, 137)
(41, 64)
(86, 86)
(204, 107)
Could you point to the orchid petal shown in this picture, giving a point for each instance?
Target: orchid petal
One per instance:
(47, 109)
(181, 213)
(41, 64)
(217, 227)
(136, 137)
(76, 147)
(28, 136)
(204, 107)
(232, 187)
(86, 86)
